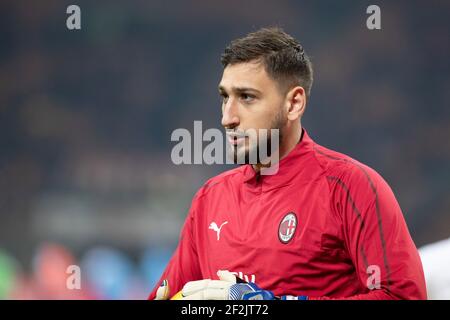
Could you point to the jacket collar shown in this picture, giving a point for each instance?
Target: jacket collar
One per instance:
(288, 167)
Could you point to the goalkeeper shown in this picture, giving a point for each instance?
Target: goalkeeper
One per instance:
(325, 226)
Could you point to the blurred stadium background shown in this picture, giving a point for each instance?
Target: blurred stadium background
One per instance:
(86, 117)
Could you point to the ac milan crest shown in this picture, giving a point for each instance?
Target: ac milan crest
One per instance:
(287, 227)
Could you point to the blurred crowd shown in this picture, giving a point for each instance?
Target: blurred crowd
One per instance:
(104, 273)
(86, 116)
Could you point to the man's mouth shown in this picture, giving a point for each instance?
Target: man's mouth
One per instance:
(235, 138)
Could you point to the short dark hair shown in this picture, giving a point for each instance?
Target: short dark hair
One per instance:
(282, 56)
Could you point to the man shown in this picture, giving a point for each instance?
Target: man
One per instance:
(324, 226)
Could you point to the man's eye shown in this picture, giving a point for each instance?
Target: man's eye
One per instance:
(224, 98)
(247, 97)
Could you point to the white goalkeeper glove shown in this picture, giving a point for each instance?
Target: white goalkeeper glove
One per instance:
(228, 287)
(163, 291)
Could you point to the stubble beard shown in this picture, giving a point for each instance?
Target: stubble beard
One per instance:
(253, 151)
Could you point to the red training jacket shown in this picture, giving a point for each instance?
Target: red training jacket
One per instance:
(325, 226)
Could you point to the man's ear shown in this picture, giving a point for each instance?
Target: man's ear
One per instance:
(295, 103)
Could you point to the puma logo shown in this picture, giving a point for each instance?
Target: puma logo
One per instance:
(213, 226)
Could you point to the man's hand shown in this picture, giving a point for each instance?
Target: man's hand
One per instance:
(226, 288)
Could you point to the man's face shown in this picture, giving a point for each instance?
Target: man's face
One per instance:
(251, 100)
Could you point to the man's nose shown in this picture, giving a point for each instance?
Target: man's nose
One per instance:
(230, 117)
